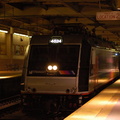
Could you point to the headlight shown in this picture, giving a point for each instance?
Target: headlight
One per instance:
(52, 67)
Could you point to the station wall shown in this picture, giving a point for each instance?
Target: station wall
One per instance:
(12, 50)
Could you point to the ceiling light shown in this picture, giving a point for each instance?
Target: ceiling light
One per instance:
(4, 31)
(118, 8)
(21, 34)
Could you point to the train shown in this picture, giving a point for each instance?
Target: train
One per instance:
(64, 68)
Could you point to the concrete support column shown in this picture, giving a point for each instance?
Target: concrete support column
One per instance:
(11, 44)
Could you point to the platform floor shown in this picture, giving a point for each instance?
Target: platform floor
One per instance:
(5, 73)
(104, 106)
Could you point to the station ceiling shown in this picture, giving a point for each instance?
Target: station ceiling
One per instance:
(42, 15)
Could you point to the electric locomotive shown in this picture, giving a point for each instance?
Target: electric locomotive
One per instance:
(64, 68)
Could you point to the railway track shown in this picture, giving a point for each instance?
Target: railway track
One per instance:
(9, 105)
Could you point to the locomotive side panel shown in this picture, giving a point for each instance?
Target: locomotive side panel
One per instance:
(104, 67)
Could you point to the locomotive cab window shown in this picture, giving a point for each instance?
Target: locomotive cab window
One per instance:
(53, 60)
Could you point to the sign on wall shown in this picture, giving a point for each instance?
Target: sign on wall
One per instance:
(19, 49)
(113, 15)
(19, 44)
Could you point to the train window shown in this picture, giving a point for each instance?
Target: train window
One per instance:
(64, 56)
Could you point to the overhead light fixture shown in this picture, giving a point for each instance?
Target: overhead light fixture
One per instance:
(118, 4)
(22, 35)
(118, 8)
(4, 31)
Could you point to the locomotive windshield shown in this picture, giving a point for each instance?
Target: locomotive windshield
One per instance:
(53, 60)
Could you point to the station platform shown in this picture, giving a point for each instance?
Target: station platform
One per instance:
(4, 74)
(104, 106)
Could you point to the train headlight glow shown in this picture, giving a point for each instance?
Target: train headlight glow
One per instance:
(52, 67)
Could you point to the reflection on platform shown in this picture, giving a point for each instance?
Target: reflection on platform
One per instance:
(8, 74)
(105, 106)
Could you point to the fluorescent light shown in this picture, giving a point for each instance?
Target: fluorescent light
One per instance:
(4, 77)
(118, 8)
(21, 34)
(4, 31)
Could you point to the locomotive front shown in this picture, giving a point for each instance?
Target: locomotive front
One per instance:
(53, 67)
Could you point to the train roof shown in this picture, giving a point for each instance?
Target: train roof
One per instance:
(73, 34)
(72, 39)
